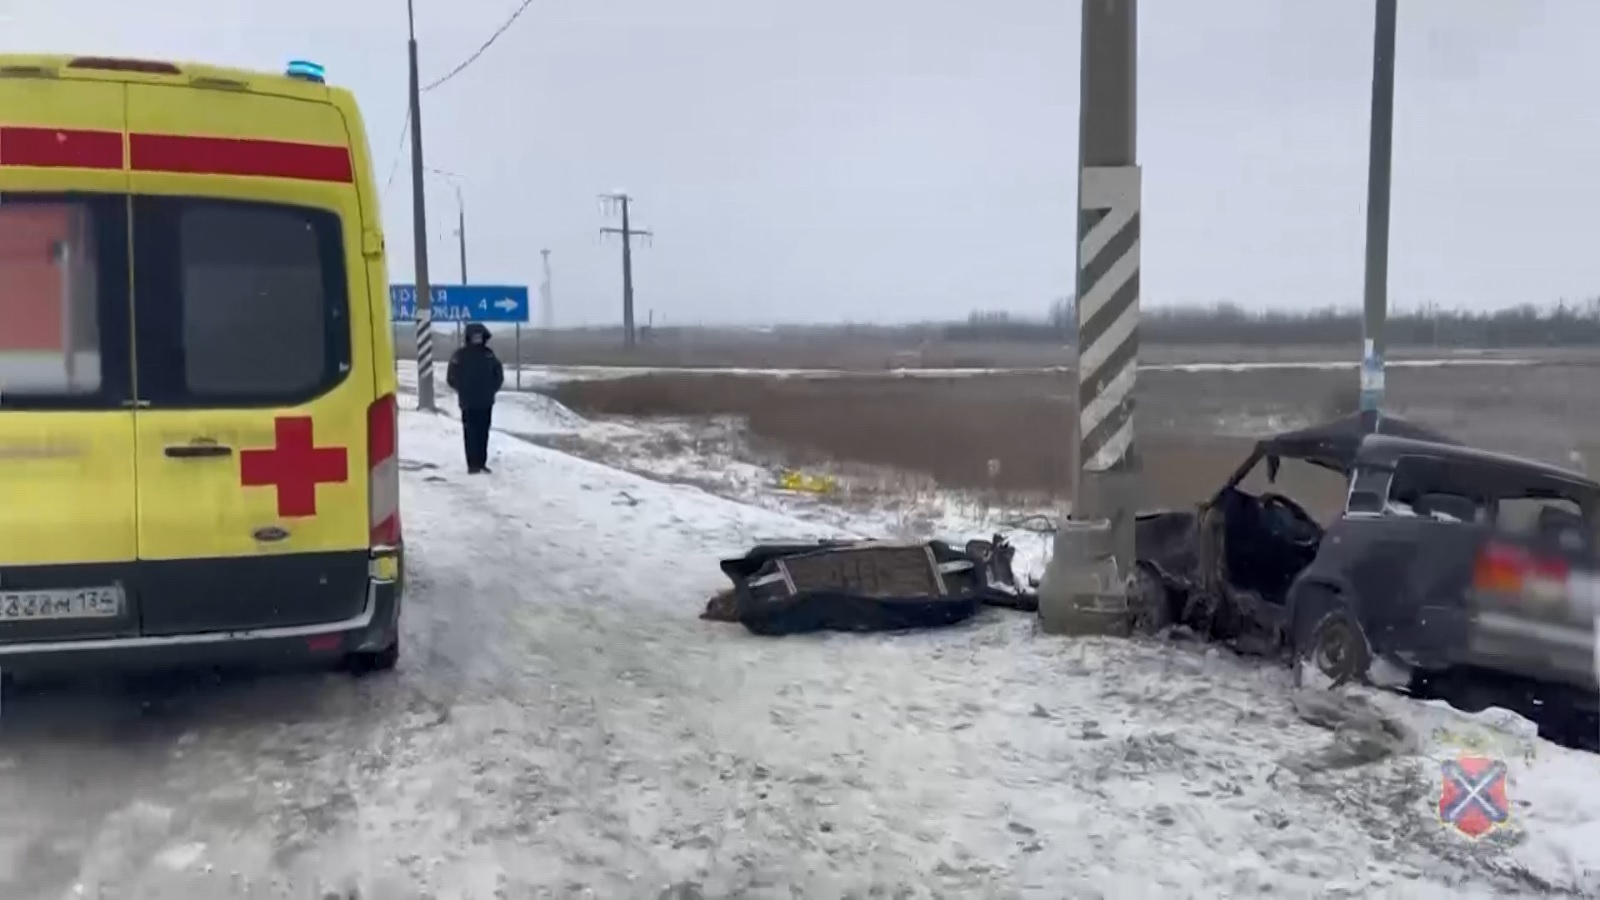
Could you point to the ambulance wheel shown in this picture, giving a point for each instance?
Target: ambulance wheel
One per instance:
(381, 661)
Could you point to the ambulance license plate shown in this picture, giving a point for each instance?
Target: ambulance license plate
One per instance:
(65, 603)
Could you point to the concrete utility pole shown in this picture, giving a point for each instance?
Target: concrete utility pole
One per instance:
(1084, 589)
(547, 297)
(1380, 157)
(628, 233)
(419, 231)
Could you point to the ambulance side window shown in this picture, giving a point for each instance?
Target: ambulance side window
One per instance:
(238, 303)
(64, 335)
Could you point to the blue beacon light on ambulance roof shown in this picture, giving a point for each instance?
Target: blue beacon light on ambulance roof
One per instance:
(306, 71)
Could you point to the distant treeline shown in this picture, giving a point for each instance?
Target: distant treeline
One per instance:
(1562, 325)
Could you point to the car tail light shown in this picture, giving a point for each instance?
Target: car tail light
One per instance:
(383, 471)
(1505, 569)
(111, 64)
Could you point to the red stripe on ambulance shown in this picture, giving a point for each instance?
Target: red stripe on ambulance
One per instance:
(60, 148)
(189, 155)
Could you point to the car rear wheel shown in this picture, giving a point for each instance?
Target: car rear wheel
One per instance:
(380, 661)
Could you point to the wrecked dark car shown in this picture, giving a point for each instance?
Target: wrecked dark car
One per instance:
(1225, 568)
(1397, 573)
(864, 585)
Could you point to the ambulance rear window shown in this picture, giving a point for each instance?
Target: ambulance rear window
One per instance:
(238, 303)
(63, 302)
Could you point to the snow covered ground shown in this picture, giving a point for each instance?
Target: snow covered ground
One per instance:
(563, 725)
(714, 457)
(1199, 737)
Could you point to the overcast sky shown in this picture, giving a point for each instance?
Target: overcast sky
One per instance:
(905, 159)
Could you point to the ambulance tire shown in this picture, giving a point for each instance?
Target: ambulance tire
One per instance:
(381, 661)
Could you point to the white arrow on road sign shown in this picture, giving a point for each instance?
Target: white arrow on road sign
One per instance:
(507, 304)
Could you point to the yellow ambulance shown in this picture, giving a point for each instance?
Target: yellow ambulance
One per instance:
(198, 420)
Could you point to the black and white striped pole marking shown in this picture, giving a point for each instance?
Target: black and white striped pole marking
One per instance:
(1108, 317)
(424, 347)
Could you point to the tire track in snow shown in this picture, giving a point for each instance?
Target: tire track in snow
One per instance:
(510, 777)
(181, 785)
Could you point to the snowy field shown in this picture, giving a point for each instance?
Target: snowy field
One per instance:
(563, 725)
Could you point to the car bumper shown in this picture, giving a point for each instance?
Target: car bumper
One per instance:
(373, 629)
(1547, 651)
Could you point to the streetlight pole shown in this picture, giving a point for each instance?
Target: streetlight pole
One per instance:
(419, 229)
(1380, 158)
(461, 231)
(461, 228)
(461, 214)
(461, 239)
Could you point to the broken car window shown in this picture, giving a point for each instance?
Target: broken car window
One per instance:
(1368, 490)
(1543, 517)
(1319, 491)
(1445, 490)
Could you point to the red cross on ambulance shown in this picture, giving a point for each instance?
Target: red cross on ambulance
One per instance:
(295, 466)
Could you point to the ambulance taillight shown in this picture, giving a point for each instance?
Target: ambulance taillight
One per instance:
(383, 472)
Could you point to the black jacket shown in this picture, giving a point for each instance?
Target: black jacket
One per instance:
(475, 374)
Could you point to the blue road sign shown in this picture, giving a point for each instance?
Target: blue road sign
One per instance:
(462, 303)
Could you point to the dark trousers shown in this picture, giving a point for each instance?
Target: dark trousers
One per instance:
(475, 435)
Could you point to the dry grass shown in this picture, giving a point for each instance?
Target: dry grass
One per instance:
(712, 348)
(947, 428)
(1194, 427)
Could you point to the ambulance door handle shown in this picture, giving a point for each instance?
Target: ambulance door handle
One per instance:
(198, 451)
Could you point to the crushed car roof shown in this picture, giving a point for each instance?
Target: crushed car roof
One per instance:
(1334, 444)
(1386, 450)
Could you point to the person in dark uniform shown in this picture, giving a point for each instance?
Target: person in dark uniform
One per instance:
(475, 374)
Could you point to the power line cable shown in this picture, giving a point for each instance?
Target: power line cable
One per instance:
(505, 26)
(399, 152)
